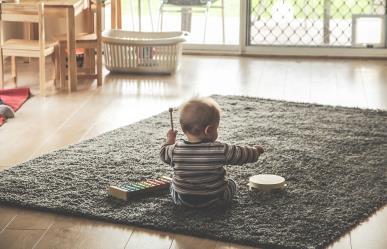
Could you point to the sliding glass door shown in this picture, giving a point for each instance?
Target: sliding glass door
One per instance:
(317, 23)
(292, 27)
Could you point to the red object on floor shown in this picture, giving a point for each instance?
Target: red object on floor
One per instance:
(14, 98)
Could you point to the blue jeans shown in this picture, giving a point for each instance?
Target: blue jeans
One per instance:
(206, 200)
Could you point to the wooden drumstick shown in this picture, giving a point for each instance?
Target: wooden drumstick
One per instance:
(170, 115)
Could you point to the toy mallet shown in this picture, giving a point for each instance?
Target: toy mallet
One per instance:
(170, 115)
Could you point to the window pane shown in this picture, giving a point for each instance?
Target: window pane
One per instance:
(308, 22)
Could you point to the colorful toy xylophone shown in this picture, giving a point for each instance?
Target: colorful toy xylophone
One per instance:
(128, 190)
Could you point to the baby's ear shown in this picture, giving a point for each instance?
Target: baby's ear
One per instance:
(209, 129)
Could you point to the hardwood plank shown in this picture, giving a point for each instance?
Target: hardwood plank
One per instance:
(297, 88)
(270, 90)
(30, 219)
(189, 242)
(35, 113)
(375, 81)
(7, 215)
(20, 239)
(323, 71)
(124, 106)
(323, 93)
(350, 90)
(4, 167)
(224, 245)
(76, 125)
(376, 101)
(372, 233)
(149, 239)
(375, 88)
(357, 97)
(343, 243)
(69, 232)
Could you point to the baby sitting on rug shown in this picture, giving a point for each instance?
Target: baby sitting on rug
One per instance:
(199, 179)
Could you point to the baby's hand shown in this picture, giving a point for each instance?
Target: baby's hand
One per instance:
(171, 136)
(259, 149)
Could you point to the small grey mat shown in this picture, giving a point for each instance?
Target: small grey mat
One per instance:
(334, 160)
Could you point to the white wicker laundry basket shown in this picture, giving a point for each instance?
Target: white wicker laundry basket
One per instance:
(142, 52)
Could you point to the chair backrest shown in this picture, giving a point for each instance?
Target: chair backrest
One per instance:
(98, 25)
(35, 14)
(96, 8)
(12, 13)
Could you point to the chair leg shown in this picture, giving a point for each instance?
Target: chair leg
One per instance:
(86, 61)
(1, 70)
(42, 75)
(89, 60)
(92, 61)
(57, 67)
(14, 70)
(62, 65)
(99, 65)
(27, 33)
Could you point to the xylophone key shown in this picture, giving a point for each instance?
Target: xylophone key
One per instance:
(150, 183)
(139, 186)
(159, 182)
(166, 178)
(130, 187)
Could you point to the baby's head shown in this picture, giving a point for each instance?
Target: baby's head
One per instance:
(199, 119)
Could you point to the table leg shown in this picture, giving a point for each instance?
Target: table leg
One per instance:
(113, 14)
(118, 13)
(27, 34)
(72, 67)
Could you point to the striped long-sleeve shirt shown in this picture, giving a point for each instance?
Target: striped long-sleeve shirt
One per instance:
(198, 167)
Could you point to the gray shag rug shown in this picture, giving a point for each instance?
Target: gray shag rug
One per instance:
(334, 160)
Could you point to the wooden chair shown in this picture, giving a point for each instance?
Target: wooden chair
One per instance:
(28, 48)
(90, 42)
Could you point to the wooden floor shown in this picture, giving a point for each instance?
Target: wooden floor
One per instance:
(46, 124)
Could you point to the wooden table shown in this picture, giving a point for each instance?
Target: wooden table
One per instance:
(116, 20)
(68, 9)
